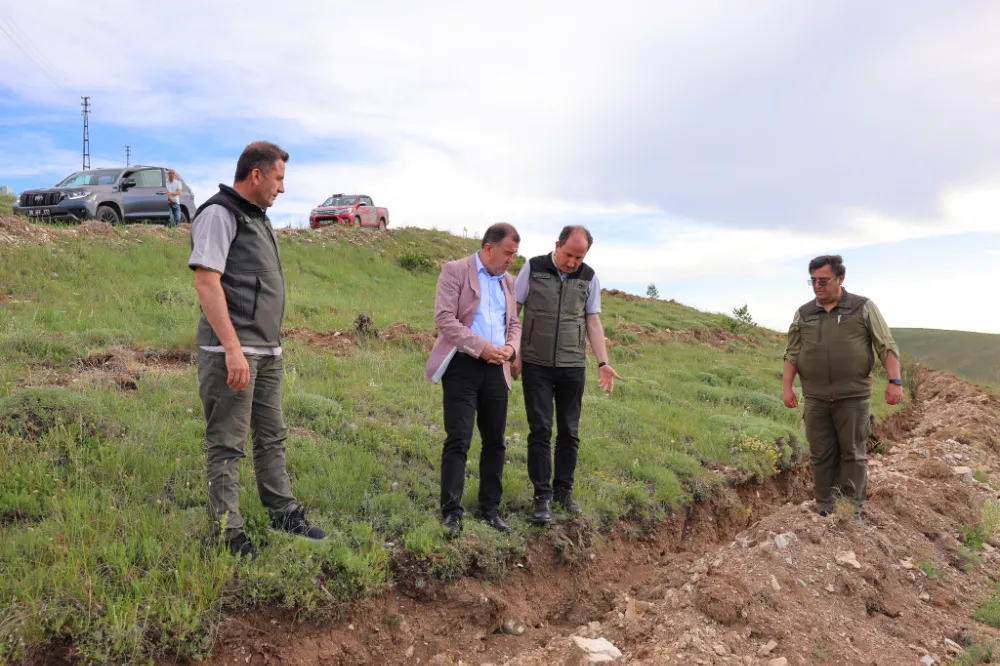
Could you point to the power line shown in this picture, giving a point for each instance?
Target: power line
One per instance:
(24, 39)
(38, 63)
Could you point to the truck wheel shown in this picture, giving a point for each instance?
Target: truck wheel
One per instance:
(357, 222)
(381, 223)
(109, 215)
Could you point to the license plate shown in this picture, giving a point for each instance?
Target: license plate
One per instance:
(39, 211)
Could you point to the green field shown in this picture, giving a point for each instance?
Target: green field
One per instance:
(6, 201)
(103, 527)
(972, 356)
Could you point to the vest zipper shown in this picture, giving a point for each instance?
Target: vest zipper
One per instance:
(555, 344)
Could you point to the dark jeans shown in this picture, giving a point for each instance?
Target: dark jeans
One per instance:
(230, 415)
(541, 385)
(473, 388)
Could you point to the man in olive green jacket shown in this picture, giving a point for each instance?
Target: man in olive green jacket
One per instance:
(832, 345)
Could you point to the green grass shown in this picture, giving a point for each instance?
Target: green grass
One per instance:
(973, 356)
(103, 528)
(6, 203)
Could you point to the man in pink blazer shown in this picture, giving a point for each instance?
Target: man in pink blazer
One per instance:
(478, 337)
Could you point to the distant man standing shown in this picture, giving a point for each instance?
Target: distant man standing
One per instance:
(561, 297)
(832, 345)
(174, 189)
(241, 288)
(478, 336)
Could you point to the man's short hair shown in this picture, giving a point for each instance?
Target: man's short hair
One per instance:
(258, 155)
(568, 231)
(498, 232)
(834, 261)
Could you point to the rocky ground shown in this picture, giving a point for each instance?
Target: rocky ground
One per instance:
(760, 581)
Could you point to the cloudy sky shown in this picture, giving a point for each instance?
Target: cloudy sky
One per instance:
(712, 147)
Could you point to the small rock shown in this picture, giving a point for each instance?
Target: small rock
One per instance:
(952, 646)
(928, 660)
(847, 558)
(593, 651)
(410, 650)
(775, 585)
(767, 648)
(780, 661)
(988, 548)
(906, 564)
(594, 627)
(830, 588)
(924, 596)
(720, 650)
(782, 541)
(512, 628)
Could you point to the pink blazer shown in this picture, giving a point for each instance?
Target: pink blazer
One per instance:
(455, 306)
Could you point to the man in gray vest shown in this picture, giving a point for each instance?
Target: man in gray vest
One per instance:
(241, 288)
(832, 345)
(561, 298)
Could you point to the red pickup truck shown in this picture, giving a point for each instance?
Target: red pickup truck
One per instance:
(356, 210)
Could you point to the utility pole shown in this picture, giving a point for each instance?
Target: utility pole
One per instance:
(86, 132)
(128, 156)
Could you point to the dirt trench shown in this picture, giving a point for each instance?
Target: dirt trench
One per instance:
(764, 580)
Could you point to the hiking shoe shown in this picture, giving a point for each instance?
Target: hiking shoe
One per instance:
(453, 523)
(496, 522)
(295, 523)
(240, 545)
(543, 511)
(569, 504)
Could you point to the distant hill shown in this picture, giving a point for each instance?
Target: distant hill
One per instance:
(973, 356)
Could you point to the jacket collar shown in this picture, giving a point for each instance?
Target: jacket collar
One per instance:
(844, 303)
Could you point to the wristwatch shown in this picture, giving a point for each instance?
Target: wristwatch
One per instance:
(602, 364)
(897, 382)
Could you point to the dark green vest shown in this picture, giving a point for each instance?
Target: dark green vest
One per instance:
(836, 359)
(554, 332)
(253, 281)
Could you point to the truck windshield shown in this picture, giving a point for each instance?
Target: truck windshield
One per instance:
(340, 201)
(82, 178)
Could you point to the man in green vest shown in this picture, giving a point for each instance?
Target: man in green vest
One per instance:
(241, 289)
(832, 345)
(561, 298)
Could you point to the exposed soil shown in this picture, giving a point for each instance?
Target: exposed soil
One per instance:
(19, 231)
(124, 367)
(345, 342)
(718, 584)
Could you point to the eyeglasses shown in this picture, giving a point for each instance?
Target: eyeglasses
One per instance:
(820, 281)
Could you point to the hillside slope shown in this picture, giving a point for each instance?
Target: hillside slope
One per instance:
(973, 356)
(102, 498)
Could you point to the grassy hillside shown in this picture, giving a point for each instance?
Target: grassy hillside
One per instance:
(6, 201)
(973, 356)
(102, 482)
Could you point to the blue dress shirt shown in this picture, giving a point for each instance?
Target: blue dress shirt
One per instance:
(491, 315)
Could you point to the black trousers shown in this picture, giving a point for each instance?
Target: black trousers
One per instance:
(541, 385)
(474, 391)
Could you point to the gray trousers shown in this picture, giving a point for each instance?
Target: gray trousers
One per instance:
(838, 435)
(230, 415)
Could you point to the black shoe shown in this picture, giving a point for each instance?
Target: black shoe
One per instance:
(240, 545)
(295, 523)
(569, 504)
(543, 511)
(496, 522)
(453, 523)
